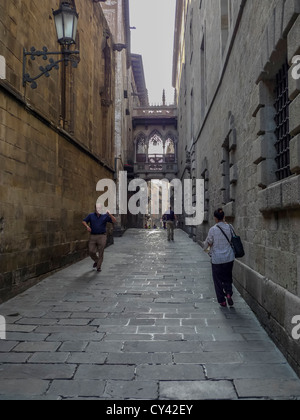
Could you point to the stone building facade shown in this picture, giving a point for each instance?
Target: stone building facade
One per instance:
(117, 16)
(239, 130)
(56, 142)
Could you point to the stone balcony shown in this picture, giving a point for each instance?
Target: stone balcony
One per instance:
(156, 166)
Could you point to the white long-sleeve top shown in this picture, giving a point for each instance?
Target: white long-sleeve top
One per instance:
(221, 250)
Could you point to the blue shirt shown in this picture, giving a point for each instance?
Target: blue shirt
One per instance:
(98, 223)
(170, 216)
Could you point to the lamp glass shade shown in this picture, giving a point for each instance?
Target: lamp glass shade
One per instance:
(59, 26)
(75, 28)
(68, 25)
(66, 20)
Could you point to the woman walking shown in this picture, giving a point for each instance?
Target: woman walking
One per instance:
(222, 255)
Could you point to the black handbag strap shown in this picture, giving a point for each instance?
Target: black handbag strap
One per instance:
(224, 234)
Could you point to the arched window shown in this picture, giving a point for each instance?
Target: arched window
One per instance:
(156, 148)
(170, 147)
(141, 149)
(170, 150)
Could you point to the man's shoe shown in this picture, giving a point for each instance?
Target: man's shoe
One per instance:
(229, 300)
(95, 265)
(223, 305)
(99, 270)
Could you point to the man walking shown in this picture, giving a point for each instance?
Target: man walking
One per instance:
(170, 221)
(95, 223)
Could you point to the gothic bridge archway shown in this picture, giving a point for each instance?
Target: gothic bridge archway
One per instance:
(155, 142)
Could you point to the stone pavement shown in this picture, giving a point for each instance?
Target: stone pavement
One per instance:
(147, 327)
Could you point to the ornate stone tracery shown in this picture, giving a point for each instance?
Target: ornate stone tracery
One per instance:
(156, 148)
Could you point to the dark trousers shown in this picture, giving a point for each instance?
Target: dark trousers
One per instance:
(170, 227)
(222, 275)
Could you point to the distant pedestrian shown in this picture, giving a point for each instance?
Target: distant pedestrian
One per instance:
(164, 221)
(222, 256)
(95, 223)
(170, 222)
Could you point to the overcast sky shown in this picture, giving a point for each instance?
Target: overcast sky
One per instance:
(153, 38)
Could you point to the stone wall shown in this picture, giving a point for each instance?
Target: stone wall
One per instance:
(117, 15)
(56, 141)
(226, 126)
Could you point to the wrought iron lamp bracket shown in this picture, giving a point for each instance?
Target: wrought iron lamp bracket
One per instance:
(45, 71)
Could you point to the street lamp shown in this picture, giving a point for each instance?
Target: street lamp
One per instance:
(66, 20)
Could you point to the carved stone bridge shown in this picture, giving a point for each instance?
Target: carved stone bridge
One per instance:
(155, 142)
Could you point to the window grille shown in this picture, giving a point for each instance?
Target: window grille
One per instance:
(226, 172)
(282, 131)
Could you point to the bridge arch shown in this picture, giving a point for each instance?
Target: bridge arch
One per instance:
(155, 142)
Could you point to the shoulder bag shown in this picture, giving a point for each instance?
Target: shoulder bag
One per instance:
(235, 243)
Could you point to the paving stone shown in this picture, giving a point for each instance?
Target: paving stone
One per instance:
(87, 358)
(75, 336)
(77, 388)
(7, 345)
(15, 357)
(249, 371)
(161, 347)
(119, 329)
(49, 329)
(32, 336)
(20, 328)
(128, 337)
(36, 371)
(37, 347)
(139, 358)
(208, 358)
(73, 322)
(23, 387)
(72, 346)
(135, 390)
(198, 390)
(111, 321)
(104, 347)
(261, 357)
(147, 327)
(39, 321)
(117, 372)
(49, 357)
(253, 346)
(170, 372)
(268, 388)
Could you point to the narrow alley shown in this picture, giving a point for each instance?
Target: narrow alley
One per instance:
(147, 328)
